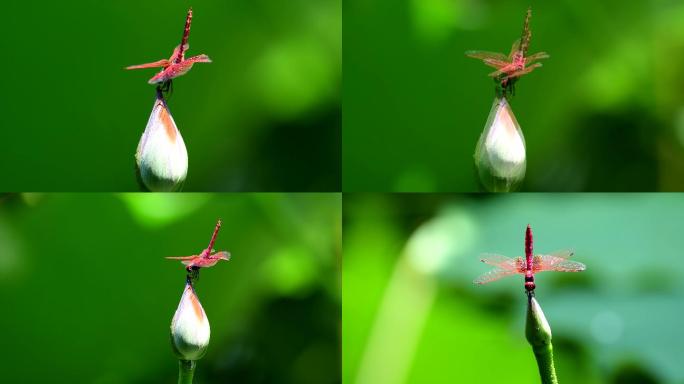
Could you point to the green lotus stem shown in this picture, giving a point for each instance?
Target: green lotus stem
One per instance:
(538, 333)
(186, 370)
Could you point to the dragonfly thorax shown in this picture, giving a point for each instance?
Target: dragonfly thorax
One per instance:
(519, 60)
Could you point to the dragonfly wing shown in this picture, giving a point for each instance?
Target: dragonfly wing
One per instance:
(562, 254)
(186, 260)
(558, 261)
(509, 69)
(524, 71)
(223, 255)
(496, 73)
(494, 63)
(211, 260)
(514, 48)
(499, 261)
(177, 54)
(484, 55)
(171, 72)
(569, 266)
(160, 63)
(536, 56)
(180, 257)
(181, 69)
(200, 59)
(494, 274)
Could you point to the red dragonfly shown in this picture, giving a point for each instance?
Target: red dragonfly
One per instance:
(177, 65)
(506, 266)
(517, 63)
(207, 258)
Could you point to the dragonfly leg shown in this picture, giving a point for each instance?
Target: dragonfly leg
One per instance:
(193, 274)
(165, 88)
(505, 85)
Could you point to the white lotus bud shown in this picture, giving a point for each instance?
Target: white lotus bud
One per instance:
(537, 329)
(161, 156)
(500, 153)
(190, 327)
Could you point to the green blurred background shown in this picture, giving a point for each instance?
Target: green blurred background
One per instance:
(88, 297)
(605, 113)
(264, 116)
(411, 313)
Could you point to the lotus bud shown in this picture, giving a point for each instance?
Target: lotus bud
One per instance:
(538, 334)
(537, 329)
(161, 156)
(500, 153)
(190, 327)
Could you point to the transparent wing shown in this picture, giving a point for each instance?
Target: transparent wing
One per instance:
(508, 69)
(536, 56)
(496, 63)
(499, 261)
(178, 53)
(160, 63)
(562, 254)
(494, 274)
(180, 257)
(514, 48)
(199, 59)
(176, 70)
(521, 72)
(180, 69)
(568, 266)
(485, 55)
(558, 261)
(171, 72)
(221, 255)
